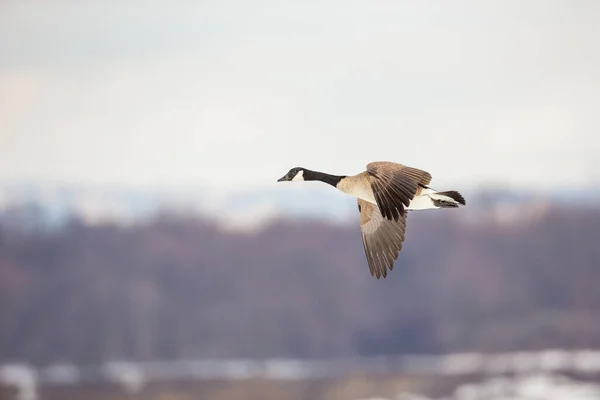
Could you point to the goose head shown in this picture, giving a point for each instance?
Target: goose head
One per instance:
(295, 174)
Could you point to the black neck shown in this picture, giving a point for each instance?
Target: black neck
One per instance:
(333, 180)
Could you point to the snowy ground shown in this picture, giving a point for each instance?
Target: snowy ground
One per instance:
(512, 376)
(527, 387)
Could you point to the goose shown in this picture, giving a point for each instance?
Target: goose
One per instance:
(385, 191)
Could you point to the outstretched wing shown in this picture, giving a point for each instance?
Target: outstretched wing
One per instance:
(382, 238)
(394, 186)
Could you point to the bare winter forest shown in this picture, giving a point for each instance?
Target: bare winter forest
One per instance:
(181, 287)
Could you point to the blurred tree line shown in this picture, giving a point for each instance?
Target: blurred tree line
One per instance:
(181, 287)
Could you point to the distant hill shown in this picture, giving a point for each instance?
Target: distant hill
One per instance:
(181, 286)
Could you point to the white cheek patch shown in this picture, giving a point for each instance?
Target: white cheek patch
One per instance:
(299, 177)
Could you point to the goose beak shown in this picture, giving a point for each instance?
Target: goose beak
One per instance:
(283, 179)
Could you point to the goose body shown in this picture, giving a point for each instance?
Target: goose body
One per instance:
(385, 191)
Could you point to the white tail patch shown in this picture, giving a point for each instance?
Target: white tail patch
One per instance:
(442, 197)
(421, 202)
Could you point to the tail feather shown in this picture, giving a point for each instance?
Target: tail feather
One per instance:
(454, 195)
(429, 198)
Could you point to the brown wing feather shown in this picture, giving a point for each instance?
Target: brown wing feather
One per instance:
(394, 186)
(382, 238)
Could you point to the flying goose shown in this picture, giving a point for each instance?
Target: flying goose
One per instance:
(385, 191)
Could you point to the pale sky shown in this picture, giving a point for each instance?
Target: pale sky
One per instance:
(225, 93)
